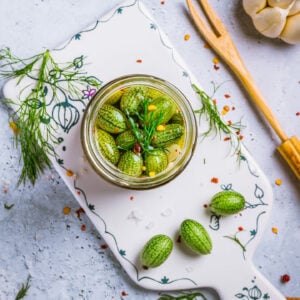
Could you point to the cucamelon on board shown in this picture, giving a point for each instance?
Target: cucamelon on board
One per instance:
(195, 237)
(227, 203)
(111, 119)
(156, 251)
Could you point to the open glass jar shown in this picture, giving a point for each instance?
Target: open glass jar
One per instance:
(138, 132)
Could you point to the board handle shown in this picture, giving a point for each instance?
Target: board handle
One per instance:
(247, 284)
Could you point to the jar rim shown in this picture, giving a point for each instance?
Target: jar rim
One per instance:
(110, 172)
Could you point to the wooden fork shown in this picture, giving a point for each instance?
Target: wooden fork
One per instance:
(219, 39)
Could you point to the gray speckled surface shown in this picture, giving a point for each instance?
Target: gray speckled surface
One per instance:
(64, 262)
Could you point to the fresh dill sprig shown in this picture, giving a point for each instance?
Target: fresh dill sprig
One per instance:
(216, 124)
(31, 121)
(24, 289)
(143, 125)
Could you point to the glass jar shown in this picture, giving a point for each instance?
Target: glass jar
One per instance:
(110, 171)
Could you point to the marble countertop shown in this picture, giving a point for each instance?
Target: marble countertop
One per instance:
(62, 253)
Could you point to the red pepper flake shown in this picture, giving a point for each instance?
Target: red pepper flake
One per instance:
(298, 113)
(216, 67)
(207, 46)
(103, 246)
(83, 227)
(124, 293)
(162, 2)
(214, 180)
(205, 205)
(5, 191)
(240, 228)
(69, 173)
(178, 239)
(227, 96)
(229, 122)
(285, 278)
(139, 61)
(66, 210)
(79, 211)
(187, 37)
(214, 101)
(78, 193)
(131, 198)
(241, 137)
(227, 139)
(232, 108)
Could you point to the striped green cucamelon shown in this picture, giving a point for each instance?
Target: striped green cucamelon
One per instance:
(168, 136)
(156, 251)
(107, 146)
(111, 119)
(132, 98)
(195, 236)
(126, 140)
(165, 109)
(131, 163)
(227, 203)
(156, 161)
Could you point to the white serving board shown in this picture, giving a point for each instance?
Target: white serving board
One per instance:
(128, 41)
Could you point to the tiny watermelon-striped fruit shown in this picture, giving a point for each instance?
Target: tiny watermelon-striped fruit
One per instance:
(195, 237)
(156, 251)
(227, 203)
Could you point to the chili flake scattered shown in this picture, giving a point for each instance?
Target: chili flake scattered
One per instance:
(214, 180)
(139, 61)
(103, 246)
(79, 211)
(131, 198)
(216, 67)
(69, 173)
(124, 293)
(298, 113)
(240, 228)
(207, 46)
(227, 139)
(205, 205)
(215, 60)
(162, 2)
(241, 137)
(229, 122)
(66, 210)
(275, 230)
(187, 37)
(278, 181)
(5, 191)
(285, 278)
(83, 227)
(227, 96)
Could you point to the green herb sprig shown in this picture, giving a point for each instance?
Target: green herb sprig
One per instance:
(31, 122)
(24, 289)
(143, 125)
(216, 124)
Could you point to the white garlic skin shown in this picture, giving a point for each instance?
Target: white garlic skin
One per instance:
(276, 18)
(291, 31)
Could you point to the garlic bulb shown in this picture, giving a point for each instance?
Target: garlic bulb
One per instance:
(276, 18)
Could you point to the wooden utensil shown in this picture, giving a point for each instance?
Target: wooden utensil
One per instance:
(219, 39)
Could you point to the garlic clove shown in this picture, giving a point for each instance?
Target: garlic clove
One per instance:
(270, 21)
(284, 4)
(295, 8)
(252, 7)
(291, 31)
